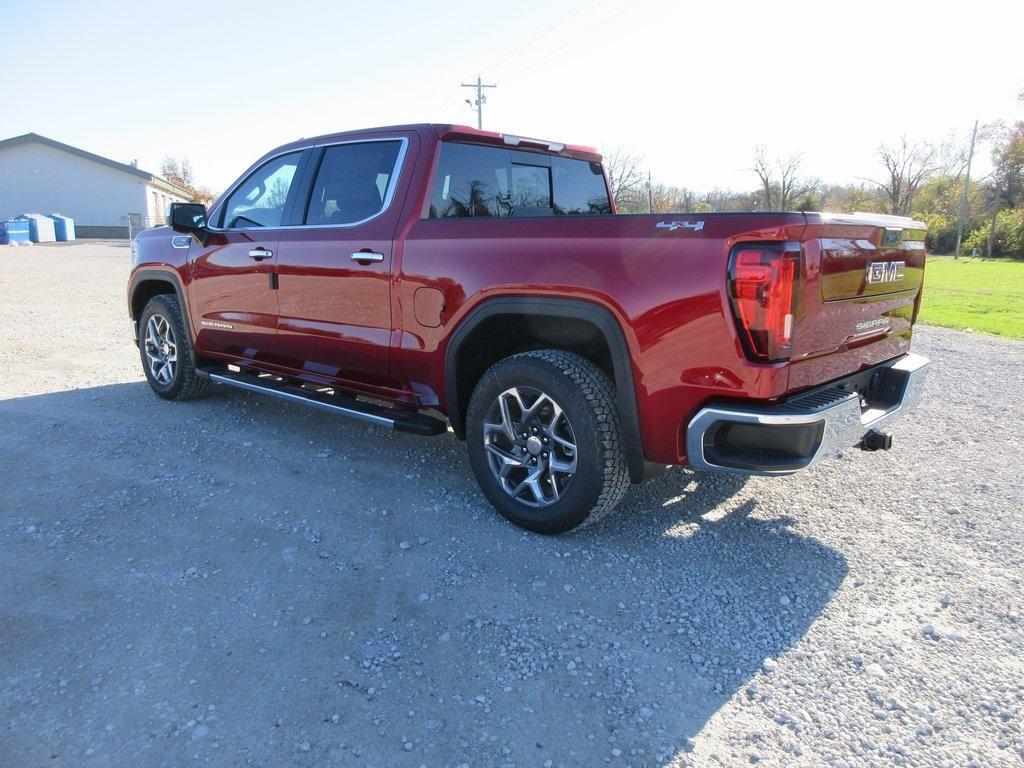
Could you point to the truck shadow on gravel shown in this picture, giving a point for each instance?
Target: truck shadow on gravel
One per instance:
(325, 592)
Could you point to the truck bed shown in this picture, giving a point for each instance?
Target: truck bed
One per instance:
(664, 278)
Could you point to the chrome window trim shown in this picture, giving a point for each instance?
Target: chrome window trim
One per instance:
(388, 195)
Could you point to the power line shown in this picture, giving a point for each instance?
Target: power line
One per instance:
(538, 35)
(573, 41)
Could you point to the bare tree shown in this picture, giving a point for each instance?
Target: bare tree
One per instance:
(624, 177)
(782, 187)
(666, 199)
(764, 173)
(908, 165)
(180, 174)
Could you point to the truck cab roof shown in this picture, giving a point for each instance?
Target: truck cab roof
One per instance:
(452, 132)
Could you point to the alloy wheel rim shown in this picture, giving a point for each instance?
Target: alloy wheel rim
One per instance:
(161, 349)
(530, 446)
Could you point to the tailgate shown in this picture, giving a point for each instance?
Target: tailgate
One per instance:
(869, 256)
(864, 274)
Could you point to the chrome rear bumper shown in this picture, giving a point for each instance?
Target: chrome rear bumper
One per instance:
(798, 432)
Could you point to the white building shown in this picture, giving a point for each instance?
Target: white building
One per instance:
(40, 175)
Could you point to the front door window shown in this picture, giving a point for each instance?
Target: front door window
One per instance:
(259, 201)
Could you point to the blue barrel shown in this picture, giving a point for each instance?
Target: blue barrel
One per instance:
(14, 231)
(63, 227)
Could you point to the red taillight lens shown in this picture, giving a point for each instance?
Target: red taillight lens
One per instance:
(762, 284)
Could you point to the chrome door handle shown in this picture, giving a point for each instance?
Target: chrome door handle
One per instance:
(259, 254)
(365, 257)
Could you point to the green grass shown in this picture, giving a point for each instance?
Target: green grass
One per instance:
(986, 295)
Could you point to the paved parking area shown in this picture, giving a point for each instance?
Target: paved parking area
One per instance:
(238, 581)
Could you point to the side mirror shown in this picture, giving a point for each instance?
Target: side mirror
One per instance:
(190, 219)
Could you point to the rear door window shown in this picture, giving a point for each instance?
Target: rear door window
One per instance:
(353, 183)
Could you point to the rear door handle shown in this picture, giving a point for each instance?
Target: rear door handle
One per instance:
(259, 254)
(366, 257)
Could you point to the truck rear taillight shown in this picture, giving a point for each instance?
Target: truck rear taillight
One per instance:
(762, 286)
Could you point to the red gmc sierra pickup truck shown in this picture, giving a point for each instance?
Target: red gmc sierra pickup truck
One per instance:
(426, 276)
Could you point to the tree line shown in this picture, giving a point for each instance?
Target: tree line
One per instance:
(920, 179)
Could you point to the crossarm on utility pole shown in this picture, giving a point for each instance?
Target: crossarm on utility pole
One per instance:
(478, 105)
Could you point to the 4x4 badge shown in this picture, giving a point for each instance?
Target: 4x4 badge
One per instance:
(672, 226)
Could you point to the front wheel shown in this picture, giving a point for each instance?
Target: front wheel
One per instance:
(545, 441)
(166, 350)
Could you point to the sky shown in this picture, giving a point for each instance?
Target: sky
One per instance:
(692, 88)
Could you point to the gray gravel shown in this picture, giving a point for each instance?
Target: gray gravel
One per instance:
(238, 581)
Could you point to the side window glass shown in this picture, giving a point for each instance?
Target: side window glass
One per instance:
(579, 188)
(471, 181)
(259, 200)
(352, 183)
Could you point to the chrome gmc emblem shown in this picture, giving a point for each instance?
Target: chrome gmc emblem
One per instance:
(885, 271)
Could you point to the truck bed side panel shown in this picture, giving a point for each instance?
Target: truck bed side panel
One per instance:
(665, 287)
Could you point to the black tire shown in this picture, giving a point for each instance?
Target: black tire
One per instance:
(185, 382)
(587, 400)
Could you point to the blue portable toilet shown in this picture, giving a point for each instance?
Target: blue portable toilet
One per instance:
(40, 228)
(14, 231)
(63, 227)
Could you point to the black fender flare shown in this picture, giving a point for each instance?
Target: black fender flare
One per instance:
(163, 276)
(578, 309)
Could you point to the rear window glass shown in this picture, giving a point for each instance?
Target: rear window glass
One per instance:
(531, 189)
(471, 181)
(579, 187)
(476, 181)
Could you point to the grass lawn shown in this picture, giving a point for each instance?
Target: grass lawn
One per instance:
(975, 293)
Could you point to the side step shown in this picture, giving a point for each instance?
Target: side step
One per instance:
(327, 399)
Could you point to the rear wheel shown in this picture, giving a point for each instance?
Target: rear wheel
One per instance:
(544, 441)
(166, 350)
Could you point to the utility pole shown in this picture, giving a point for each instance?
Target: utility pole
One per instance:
(650, 195)
(996, 195)
(478, 105)
(963, 199)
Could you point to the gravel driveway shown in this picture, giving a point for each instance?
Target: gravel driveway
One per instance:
(239, 581)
